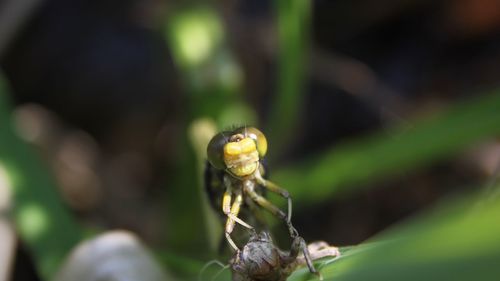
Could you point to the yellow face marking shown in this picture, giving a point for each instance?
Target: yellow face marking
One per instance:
(241, 157)
(232, 149)
(244, 170)
(246, 145)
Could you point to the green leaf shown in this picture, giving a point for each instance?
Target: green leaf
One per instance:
(457, 241)
(387, 154)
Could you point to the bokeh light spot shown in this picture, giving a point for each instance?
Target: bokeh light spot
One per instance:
(33, 221)
(196, 34)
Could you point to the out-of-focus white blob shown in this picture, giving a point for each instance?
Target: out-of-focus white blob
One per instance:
(485, 158)
(116, 255)
(7, 239)
(5, 189)
(7, 249)
(35, 124)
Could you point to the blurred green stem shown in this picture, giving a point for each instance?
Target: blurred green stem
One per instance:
(200, 133)
(293, 31)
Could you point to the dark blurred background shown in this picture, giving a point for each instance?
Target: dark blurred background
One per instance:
(100, 89)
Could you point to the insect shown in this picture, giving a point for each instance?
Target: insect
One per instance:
(235, 174)
(261, 260)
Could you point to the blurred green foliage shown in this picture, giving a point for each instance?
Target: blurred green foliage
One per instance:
(459, 240)
(293, 23)
(41, 220)
(398, 254)
(451, 242)
(213, 89)
(423, 245)
(362, 161)
(212, 77)
(455, 240)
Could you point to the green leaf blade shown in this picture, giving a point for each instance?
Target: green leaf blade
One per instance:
(454, 242)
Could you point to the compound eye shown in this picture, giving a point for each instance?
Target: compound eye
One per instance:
(257, 136)
(215, 150)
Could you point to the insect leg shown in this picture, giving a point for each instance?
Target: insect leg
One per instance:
(235, 210)
(264, 203)
(232, 214)
(278, 190)
(260, 220)
(307, 257)
(207, 265)
(226, 208)
(284, 193)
